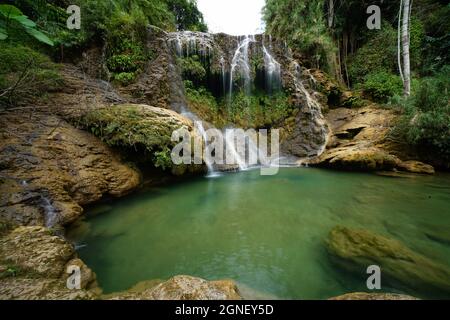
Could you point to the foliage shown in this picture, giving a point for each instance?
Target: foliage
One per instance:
(162, 159)
(302, 24)
(426, 120)
(382, 85)
(25, 74)
(378, 54)
(11, 19)
(187, 15)
(192, 68)
(11, 271)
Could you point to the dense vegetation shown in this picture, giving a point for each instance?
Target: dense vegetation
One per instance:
(334, 36)
(39, 26)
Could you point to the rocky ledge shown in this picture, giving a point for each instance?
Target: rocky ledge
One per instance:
(359, 141)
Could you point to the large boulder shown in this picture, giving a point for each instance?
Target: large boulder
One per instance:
(360, 142)
(184, 288)
(142, 130)
(355, 250)
(51, 169)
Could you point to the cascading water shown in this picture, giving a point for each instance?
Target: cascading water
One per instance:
(312, 104)
(50, 213)
(240, 60)
(234, 61)
(273, 72)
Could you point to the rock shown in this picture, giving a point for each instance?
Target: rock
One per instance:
(373, 296)
(356, 158)
(437, 233)
(355, 250)
(36, 250)
(40, 289)
(88, 278)
(415, 167)
(184, 288)
(53, 169)
(358, 142)
(38, 261)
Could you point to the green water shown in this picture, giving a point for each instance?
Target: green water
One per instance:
(265, 232)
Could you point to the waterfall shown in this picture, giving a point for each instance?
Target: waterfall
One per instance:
(186, 43)
(312, 104)
(223, 73)
(50, 213)
(272, 70)
(240, 59)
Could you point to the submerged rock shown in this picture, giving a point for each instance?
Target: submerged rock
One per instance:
(183, 288)
(373, 296)
(355, 250)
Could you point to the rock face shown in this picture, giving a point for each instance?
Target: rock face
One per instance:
(373, 296)
(185, 288)
(49, 170)
(359, 142)
(37, 263)
(355, 250)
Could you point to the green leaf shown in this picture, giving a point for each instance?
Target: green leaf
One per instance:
(10, 11)
(39, 36)
(23, 20)
(3, 34)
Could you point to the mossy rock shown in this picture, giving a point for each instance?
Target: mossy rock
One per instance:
(131, 125)
(355, 250)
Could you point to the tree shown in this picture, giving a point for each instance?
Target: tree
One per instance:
(406, 16)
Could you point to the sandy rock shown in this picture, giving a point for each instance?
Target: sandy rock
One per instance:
(415, 167)
(39, 261)
(35, 249)
(185, 288)
(373, 296)
(357, 158)
(40, 289)
(358, 142)
(51, 169)
(355, 250)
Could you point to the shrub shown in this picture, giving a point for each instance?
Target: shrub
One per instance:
(382, 85)
(425, 123)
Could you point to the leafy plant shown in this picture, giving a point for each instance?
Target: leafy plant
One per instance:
(12, 17)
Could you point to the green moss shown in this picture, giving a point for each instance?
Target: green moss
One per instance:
(136, 129)
(26, 74)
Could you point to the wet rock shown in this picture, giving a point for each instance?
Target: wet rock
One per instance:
(184, 288)
(355, 250)
(373, 296)
(72, 169)
(415, 167)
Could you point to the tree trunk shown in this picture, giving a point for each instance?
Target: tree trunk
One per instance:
(330, 13)
(405, 46)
